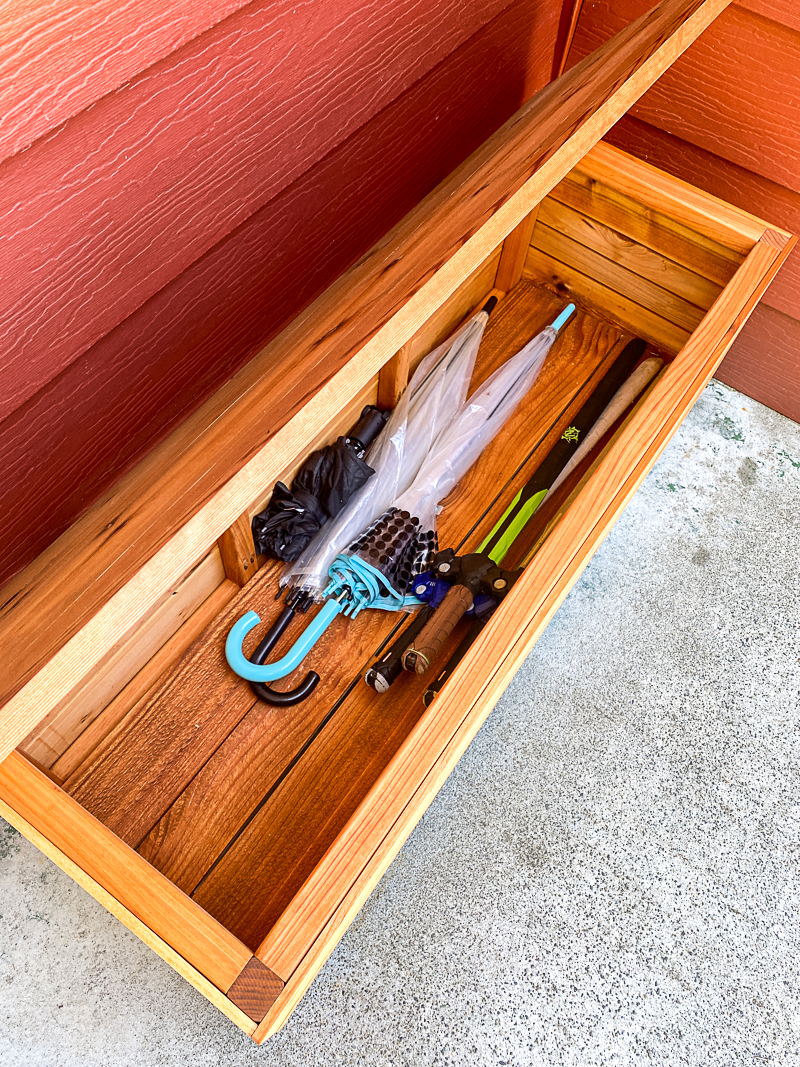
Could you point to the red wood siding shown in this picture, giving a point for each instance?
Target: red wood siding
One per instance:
(57, 57)
(135, 320)
(103, 212)
(726, 117)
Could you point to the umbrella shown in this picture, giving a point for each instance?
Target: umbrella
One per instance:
(437, 390)
(398, 538)
(320, 490)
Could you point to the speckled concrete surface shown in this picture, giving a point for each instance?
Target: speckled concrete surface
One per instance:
(609, 877)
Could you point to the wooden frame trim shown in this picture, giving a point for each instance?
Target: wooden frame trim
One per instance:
(191, 932)
(700, 211)
(307, 930)
(103, 575)
(515, 252)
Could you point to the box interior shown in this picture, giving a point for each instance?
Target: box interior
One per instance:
(236, 801)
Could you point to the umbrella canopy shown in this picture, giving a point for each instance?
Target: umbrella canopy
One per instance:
(320, 490)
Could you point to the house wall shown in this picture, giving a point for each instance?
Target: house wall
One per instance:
(726, 117)
(178, 181)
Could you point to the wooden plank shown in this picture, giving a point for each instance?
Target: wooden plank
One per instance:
(342, 340)
(256, 989)
(170, 914)
(57, 58)
(723, 179)
(238, 551)
(393, 378)
(267, 863)
(247, 108)
(224, 793)
(736, 93)
(142, 684)
(65, 447)
(514, 251)
(727, 225)
(127, 918)
(431, 750)
(70, 717)
(685, 283)
(612, 275)
(647, 227)
(603, 300)
(144, 764)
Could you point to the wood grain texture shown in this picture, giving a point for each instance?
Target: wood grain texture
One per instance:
(728, 181)
(735, 93)
(70, 717)
(764, 361)
(421, 765)
(255, 990)
(184, 153)
(64, 448)
(142, 684)
(128, 919)
(258, 875)
(604, 300)
(735, 228)
(647, 227)
(201, 821)
(57, 57)
(143, 765)
(218, 800)
(514, 252)
(661, 271)
(392, 290)
(623, 279)
(170, 914)
(238, 551)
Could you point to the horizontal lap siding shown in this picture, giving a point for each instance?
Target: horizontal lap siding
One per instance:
(99, 215)
(726, 117)
(72, 438)
(58, 56)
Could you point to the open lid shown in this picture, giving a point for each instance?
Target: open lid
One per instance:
(65, 612)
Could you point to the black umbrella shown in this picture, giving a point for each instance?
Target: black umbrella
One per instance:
(320, 490)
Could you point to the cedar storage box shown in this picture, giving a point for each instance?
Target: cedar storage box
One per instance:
(238, 840)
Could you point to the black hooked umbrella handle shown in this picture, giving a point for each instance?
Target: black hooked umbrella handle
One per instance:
(268, 642)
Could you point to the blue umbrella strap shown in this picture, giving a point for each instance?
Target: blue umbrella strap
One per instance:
(366, 587)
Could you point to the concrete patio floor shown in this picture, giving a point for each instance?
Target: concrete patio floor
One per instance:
(609, 877)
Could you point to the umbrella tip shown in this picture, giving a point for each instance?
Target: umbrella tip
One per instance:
(562, 318)
(490, 305)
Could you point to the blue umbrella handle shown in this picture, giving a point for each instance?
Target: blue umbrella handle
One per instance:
(270, 672)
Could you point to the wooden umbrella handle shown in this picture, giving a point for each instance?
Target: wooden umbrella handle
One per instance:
(429, 644)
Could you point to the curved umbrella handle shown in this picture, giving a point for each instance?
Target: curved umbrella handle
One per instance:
(261, 689)
(270, 672)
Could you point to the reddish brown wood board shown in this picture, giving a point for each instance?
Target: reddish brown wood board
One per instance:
(764, 361)
(69, 443)
(735, 92)
(58, 57)
(102, 213)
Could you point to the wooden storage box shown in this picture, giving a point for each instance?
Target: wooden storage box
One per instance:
(237, 839)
